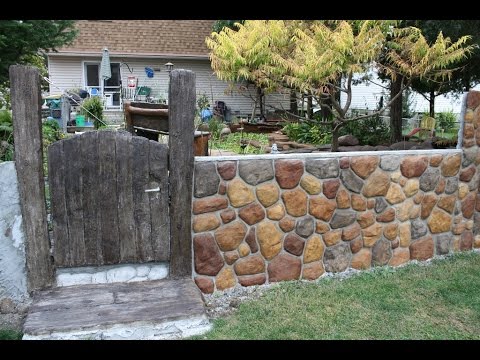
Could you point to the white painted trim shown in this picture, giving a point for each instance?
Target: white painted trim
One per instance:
(327, 155)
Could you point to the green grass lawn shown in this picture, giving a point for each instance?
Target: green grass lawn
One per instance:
(232, 143)
(439, 301)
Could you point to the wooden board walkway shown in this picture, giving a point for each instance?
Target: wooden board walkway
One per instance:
(163, 309)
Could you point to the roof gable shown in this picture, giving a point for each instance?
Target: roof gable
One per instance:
(155, 37)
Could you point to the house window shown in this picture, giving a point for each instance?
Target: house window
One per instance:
(110, 89)
(92, 78)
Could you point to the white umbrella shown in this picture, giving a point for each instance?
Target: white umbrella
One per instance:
(105, 70)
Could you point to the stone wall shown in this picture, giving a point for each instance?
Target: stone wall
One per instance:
(268, 218)
(13, 281)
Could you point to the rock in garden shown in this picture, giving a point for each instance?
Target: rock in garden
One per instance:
(348, 140)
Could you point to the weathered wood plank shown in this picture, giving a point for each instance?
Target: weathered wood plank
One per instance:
(126, 221)
(108, 200)
(160, 220)
(91, 211)
(134, 302)
(26, 102)
(141, 199)
(181, 132)
(72, 149)
(56, 180)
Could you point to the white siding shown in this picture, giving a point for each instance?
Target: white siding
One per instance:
(367, 96)
(67, 73)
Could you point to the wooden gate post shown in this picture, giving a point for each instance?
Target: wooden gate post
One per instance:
(27, 132)
(181, 113)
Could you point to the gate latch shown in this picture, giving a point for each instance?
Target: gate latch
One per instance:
(153, 190)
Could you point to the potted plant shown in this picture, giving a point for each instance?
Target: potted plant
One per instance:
(92, 108)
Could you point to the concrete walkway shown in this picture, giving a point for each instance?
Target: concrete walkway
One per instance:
(162, 309)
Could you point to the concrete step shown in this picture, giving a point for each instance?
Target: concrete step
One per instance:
(149, 310)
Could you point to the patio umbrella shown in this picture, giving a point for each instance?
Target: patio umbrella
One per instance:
(105, 71)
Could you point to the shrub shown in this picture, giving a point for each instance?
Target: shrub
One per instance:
(6, 136)
(307, 133)
(93, 106)
(446, 120)
(370, 131)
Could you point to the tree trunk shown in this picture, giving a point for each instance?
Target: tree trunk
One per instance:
(432, 103)
(293, 102)
(260, 102)
(335, 136)
(396, 110)
(309, 107)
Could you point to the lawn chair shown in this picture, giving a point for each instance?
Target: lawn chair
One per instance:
(220, 109)
(426, 127)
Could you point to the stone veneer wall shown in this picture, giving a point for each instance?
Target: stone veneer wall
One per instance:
(269, 218)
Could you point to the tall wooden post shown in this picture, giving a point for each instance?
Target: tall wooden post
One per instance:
(181, 113)
(27, 131)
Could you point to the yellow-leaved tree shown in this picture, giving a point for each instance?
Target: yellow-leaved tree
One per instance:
(311, 56)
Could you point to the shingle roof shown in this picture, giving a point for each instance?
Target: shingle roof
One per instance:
(159, 37)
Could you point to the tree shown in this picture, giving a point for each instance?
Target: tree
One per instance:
(22, 40)
(466, 73)
(319, 52)
(220, 24)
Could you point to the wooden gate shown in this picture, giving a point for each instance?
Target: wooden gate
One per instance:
(109, 197)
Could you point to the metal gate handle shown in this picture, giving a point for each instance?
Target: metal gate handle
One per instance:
(153, 190)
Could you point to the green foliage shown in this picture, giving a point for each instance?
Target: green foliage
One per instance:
(445, 120)
(7, 334)
(232, 142)
(408, 103)
(203, 102)
(93, 106)
(370, 131)
(307, 133)
(215, 126)
(6, 136)
(220, 24)
(20, 40)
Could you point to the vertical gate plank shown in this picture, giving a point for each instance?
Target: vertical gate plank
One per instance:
(126, 222)
(107, 195)
(181, 112)
(159, 213)
(74, 202)
(141, 199)
(56, 177)
(27, 131)
(91, 215)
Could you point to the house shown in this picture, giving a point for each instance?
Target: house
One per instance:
(139, 51)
